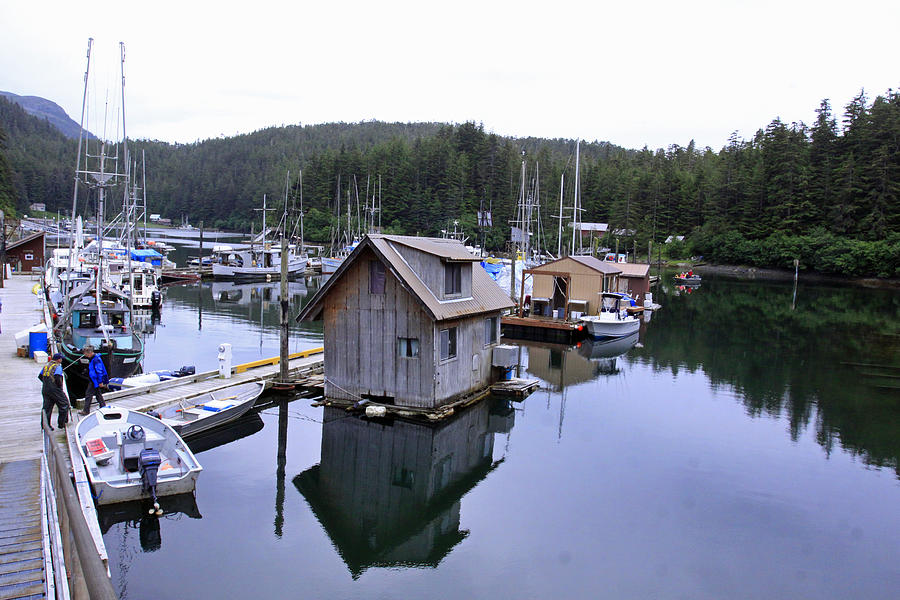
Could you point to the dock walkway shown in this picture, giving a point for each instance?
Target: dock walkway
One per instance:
(183, 388)
(22, 558)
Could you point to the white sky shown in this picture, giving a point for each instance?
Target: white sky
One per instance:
(633, 73)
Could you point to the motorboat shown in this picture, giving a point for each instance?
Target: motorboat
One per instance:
(193, 415)
(131, 455)
(613, 319)
(688, 278)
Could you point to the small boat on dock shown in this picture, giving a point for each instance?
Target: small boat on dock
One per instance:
(193, 415)
(131, 455)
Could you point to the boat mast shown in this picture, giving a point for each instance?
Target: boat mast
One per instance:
(576, 206)
(87, 70)
(562, 180)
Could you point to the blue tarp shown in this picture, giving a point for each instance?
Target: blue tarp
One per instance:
(148, 256)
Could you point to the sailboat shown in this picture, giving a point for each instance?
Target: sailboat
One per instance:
(94, 312)
(260, 264)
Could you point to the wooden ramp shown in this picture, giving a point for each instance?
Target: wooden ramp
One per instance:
(302, 364)
(21, 535)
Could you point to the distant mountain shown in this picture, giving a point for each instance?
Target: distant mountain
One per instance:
(46, 109)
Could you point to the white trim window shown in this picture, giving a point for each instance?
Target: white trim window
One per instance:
(448, 343)
(491, 331)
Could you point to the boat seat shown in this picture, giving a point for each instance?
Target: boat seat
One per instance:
(97, 449)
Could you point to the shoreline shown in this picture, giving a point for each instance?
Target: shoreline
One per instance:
(765, 274)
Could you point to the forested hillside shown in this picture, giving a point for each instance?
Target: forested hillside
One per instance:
(826, 193)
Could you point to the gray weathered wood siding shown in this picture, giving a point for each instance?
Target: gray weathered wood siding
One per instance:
(361, 337)
(471, 370)
(431, 271)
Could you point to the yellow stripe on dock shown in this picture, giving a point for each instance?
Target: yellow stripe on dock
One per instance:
(277, 359)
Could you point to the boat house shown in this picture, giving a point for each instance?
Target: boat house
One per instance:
(408, 321)
(572, 284)
(634, 280)
(27, 253)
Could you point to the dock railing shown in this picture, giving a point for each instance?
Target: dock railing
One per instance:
(79, 572)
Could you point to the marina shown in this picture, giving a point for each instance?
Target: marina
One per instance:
(602, 401)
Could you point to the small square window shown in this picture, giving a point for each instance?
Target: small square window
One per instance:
(448, 343)
(408, 347)
(29, 257)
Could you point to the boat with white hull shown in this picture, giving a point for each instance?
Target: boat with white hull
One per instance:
(131, 455)
(194, 415)
(613, 319)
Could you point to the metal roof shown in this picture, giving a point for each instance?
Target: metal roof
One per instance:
(634, 269)
(447, 249)
(601, 266)
(486, 294)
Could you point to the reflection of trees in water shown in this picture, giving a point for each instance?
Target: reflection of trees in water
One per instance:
(803, 364)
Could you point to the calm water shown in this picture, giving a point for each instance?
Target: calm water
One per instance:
(741, 450)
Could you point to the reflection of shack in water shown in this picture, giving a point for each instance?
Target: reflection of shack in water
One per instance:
(388, 491)
(562, 365)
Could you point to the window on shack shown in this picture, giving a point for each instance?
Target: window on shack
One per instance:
(448, 343)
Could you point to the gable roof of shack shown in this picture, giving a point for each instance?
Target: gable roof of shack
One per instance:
(486, 294)
(595, 264)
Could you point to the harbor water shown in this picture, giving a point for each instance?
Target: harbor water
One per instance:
(744, 445)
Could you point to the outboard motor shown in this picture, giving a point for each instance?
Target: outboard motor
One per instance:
(156, 300)
(149, 464)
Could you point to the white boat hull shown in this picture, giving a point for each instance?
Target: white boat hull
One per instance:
(111, 481)
(212, 409)
(608, 325)
(296, 266)
(330, 265)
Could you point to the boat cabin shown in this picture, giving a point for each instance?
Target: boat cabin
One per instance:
(408, 321)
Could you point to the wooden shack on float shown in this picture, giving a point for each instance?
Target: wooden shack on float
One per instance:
(634, 280)
(408, 321)
(572, 284)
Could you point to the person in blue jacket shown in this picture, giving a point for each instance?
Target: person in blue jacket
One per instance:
(97, 380)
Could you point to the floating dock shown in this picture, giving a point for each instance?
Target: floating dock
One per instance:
(302, 367)
(23, 524)
(542, 329)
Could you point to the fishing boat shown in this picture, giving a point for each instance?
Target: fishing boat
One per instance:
(613, 319)
(131, 455)
(193, 415)
(98, 315)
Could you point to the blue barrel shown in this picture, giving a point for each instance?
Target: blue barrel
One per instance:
(37, 340)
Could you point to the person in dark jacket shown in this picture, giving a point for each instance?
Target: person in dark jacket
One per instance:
(51, 377)
(97, 380)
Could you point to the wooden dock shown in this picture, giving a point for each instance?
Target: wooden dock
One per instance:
(544, 329)
(22, 557)
(302, 365)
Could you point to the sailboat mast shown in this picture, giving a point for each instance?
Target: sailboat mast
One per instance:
(87, 70)
(302, 248)
(562, 181)
(575, 228)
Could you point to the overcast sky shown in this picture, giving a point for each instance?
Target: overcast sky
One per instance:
(634, 73)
